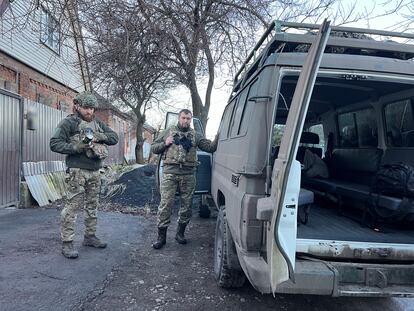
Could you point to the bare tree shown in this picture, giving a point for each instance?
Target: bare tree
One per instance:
(123, 57)
(199, 36)
(195, 36)
(203, 37)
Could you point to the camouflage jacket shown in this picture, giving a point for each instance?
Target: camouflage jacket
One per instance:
(64, 139)
(178, 160)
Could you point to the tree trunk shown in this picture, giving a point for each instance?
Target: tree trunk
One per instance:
(198, 108)
(139, 152)
(210, 64)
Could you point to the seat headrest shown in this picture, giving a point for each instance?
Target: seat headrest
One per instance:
(309, 138)
(409, 139)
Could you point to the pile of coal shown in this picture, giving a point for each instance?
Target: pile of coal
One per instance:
(136, 188)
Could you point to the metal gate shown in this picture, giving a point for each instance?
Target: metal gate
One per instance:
(11, 138)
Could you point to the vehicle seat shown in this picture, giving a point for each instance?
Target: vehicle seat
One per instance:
(308, 138)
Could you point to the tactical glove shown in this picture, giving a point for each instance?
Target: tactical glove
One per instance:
(99, 137)
(80, 147)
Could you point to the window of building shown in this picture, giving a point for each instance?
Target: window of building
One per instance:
(49, 31)
(399, 122)
(358, 128)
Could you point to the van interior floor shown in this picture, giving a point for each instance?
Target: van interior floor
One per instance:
(327, 224)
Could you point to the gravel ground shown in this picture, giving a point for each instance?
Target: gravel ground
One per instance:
(130, 274)
(180, 277)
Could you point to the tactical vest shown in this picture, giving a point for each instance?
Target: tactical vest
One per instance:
(176, 154)
(96, 151)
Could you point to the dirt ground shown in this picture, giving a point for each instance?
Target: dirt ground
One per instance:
(180, 277)
(129, 274)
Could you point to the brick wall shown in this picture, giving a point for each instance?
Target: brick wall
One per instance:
(31, 84)
(117, 123)
(105, 116)
(148, 136)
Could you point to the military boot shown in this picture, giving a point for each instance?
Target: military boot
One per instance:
(68, 251)
(179, 237)
(93, 241)
(162, 238)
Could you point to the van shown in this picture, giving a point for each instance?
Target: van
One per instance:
(346, 98)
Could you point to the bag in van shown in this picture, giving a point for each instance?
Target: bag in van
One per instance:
(396, 179)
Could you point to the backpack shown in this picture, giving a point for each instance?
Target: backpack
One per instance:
(395, 179)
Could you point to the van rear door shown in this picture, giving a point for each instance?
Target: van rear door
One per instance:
(281, 243)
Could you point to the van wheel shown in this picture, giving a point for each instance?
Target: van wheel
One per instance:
(204, 211)
(227, 269)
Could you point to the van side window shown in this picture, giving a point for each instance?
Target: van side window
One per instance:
(225, 122)
(248, 110)
(358, 129)
(318, 129)
(238, 113)
(278, 130)
(399, 123)
(242, 111)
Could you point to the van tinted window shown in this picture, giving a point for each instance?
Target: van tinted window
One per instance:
(318, 129)
(238, 113)
(358, 128)
(224, 127)
(248, 110)
(399, 123)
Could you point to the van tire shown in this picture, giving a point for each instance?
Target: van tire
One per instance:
(227, 270)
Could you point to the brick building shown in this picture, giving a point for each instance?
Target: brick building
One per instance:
(41, 58)
(125, 125)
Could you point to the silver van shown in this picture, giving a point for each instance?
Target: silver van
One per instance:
(346, 98)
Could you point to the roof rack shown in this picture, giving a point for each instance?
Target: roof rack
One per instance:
(279, 24)
(281, 36)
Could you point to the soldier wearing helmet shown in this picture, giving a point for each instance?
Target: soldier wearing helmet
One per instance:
(84, 140)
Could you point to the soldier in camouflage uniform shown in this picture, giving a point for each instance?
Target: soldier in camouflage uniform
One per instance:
(83, 139)
(177, 145)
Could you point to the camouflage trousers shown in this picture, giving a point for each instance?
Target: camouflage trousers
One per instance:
(83, 187)
(170, 183)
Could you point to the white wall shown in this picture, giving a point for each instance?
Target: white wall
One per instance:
(20, 38)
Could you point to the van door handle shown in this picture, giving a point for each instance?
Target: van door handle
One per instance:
(259, 98)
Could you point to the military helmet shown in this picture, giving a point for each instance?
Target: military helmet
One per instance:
(86, 99)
